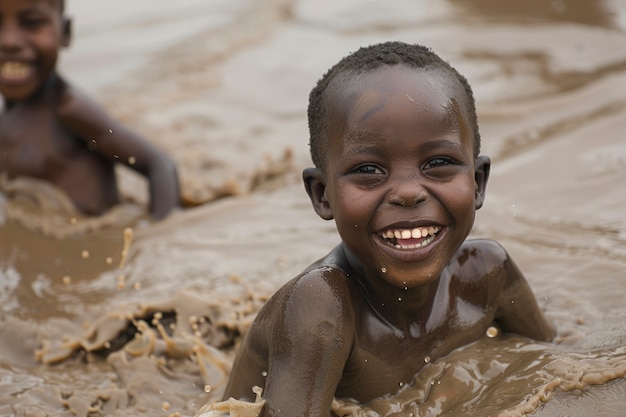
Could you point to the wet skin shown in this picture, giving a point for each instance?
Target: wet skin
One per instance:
(51, 131)
(404, 287)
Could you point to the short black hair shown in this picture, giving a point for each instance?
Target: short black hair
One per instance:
(367, 59)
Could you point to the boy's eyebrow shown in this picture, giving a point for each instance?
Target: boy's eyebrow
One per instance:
(31, 8)
(357, 136)
(366, 149)
(427, 147)
(441, 144)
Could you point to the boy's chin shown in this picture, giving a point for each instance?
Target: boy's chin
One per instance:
(17, 93)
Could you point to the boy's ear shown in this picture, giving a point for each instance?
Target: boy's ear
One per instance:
(66, 34)
(315, 186)
(481, 176)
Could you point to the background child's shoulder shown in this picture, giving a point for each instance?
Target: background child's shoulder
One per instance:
(71, 101)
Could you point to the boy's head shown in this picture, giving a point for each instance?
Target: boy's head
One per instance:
(31, 34)
(369, 59)
(395, 142)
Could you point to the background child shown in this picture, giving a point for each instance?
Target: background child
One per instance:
(51, 131)
(395, 143)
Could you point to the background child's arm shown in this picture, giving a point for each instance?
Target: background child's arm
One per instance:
(518, 311)
(87, 120)
(309, 332)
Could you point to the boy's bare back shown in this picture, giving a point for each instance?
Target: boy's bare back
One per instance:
(51, 131)
(396, 149)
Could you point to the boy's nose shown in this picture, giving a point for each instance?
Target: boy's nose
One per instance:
(10, 37)
(407, 192)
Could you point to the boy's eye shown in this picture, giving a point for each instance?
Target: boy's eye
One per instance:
(368, 169)
(33, 21)
(438, 162)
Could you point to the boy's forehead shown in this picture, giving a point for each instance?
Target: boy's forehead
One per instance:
(353, 97)
(57, 4)
(389, 80)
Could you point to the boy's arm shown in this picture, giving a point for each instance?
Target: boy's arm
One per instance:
(309, 334)
(87, 120)
(518, 310)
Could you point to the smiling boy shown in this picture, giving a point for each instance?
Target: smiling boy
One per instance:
(395, 143)
(51, 131)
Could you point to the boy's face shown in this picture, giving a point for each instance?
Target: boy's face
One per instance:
(401, 180)
(31, 33)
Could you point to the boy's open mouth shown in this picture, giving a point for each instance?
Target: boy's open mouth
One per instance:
(418, 237)
(14, 70)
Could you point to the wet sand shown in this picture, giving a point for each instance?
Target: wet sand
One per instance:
(223, 86)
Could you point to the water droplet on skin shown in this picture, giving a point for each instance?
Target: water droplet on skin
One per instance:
(264, 373)
(208, 388)
(426, 359)
(383, 270)
(110, 131)
(401, 384)
(399, 299)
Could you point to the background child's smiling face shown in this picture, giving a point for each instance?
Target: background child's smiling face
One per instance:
(400, 174)
(31, 33)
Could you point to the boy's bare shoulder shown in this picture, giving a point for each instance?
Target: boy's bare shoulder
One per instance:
(321, 293)
(73, 104)
(479, 258)
(314, 290)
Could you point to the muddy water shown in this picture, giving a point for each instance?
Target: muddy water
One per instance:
(120, 316)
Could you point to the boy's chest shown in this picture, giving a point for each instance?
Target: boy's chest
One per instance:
(32, 143)
(384, 360)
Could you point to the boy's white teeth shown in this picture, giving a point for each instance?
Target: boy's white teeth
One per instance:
(14, 70)
(392, 236)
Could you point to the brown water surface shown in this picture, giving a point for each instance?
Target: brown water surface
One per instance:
(119, 316)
